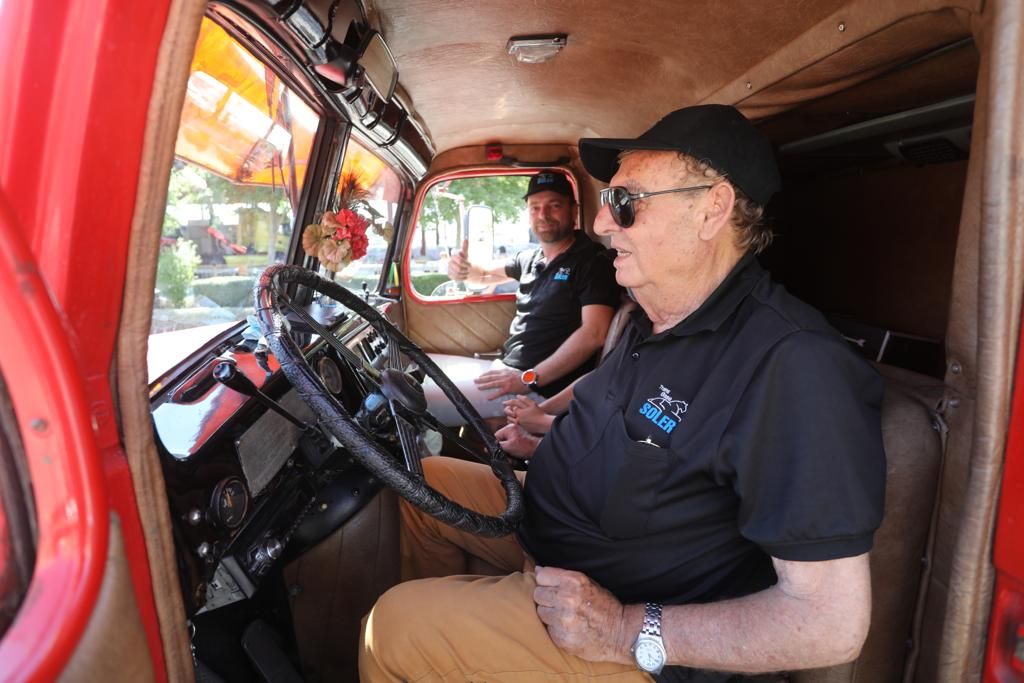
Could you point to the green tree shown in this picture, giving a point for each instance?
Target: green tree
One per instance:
(446, 202)
(187, 185)
(256, 197)
(504, 194)
(175, 270)
(191, 184)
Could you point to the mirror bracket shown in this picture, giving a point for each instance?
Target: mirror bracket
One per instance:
(341, 67)
(516, 163)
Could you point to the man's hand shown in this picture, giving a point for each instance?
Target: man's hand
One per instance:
(517, 442)
(502, 381)
(582, 618)
(527, 414)
(458, 264)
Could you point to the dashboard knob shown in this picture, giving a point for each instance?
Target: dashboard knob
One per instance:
(204, 550)
(272, 547)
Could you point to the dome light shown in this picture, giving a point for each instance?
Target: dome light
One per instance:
(536, 49)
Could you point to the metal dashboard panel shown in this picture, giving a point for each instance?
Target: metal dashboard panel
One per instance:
(184, 428)
(265, 447)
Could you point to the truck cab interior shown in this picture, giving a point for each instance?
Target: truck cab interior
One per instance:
(259, 430)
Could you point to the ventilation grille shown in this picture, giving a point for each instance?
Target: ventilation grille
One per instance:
(932, 151)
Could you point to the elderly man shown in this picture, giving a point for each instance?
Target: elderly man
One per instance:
(708, 503)
(566, 297)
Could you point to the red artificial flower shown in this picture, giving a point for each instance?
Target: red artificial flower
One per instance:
(338, 239)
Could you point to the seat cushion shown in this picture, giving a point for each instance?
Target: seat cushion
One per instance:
(617, 325)
(913, 449)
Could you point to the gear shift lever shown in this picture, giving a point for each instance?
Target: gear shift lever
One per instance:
(227, 374)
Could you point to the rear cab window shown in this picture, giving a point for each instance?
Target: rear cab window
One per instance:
(486, 213)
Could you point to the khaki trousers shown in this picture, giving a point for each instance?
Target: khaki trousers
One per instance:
(458, 627)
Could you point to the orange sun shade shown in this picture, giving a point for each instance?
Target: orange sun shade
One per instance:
(369, 172)
(239, 120)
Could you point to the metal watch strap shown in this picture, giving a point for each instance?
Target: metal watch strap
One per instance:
(652, 620)
(649, 649)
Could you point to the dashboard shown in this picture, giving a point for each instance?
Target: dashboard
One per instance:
(247, 486)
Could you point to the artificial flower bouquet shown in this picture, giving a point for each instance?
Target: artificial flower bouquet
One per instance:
(337, 240)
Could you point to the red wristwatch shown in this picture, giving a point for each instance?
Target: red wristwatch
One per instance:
(530, 378)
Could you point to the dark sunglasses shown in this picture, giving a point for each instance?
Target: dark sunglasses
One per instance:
(620, 201)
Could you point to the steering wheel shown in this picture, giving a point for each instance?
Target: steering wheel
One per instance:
(406, 402)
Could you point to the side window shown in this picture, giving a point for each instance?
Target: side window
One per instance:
(487, 213)
(241, 157)
(366, 203)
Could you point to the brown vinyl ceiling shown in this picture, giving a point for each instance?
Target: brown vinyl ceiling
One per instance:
(626, 64)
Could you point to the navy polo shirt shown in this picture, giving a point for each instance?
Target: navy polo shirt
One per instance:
(550, 300)
(688, 458)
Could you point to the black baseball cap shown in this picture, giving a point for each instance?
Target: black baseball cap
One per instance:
(714, 133)
(550, 181)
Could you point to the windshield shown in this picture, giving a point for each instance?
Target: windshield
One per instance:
(241, 156)
(372, 190)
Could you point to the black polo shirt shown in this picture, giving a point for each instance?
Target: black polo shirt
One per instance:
(550, 300)
(688, 458)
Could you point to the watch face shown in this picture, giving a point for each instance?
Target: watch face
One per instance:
(529, 376)
(649, 655)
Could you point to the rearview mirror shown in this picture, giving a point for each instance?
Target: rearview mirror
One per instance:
(478, 227)
(379, 66)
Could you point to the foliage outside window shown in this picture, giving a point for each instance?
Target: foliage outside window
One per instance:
(449, 215)
(241, 157)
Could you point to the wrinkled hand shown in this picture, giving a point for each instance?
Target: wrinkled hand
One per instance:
(502, 381)
(458, 264)
(517, 442)
(525, 412)
(582, 618)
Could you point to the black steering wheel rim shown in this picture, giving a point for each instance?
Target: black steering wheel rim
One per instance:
(337, 421)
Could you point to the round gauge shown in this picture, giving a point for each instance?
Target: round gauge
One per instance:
(230, 502)
(330, 373)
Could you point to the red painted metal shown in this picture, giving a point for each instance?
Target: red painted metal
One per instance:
(1008, 556)
(77, 75)
(1009, 551)
(63, 460)
(1003, 662)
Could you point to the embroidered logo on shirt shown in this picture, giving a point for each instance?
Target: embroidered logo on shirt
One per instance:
(563, 273)
(664, 411)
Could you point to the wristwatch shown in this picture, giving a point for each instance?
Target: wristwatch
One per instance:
(530, 378)
(648, 648)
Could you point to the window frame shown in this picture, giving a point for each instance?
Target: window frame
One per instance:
(329, 189)
(259, 42)
(460, 174)
(336, 129)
